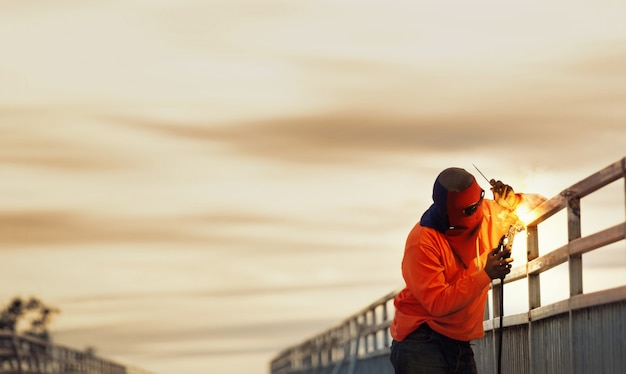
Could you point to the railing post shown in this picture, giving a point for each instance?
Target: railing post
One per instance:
(386, 342)
(624, 180)
(574, 232)
(496, 294)
(575, 262)
(534, 282)
(356, 339)
(330, 347)
(532, 252)
(365, 322)
(496, 286)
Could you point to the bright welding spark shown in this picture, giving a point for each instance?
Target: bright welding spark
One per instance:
(526, 209)
(524, 213)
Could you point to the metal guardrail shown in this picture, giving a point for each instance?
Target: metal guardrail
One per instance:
(552, 338)
(21, 354)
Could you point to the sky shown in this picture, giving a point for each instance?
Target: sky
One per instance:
(197, 185)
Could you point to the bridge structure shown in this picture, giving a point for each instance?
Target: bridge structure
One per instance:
(585, 332)
(23, 354)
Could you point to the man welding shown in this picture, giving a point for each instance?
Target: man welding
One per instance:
(451, 256)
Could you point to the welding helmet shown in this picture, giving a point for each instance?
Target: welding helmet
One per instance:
(457, 210)
(457, 199)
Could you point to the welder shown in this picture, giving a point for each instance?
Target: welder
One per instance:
(450, 258)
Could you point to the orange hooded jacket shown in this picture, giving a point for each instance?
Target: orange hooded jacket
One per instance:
(440, 289)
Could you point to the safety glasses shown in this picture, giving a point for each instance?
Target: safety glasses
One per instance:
(470, 210)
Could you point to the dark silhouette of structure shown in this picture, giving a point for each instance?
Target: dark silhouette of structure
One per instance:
(23, 354)
(32, 352)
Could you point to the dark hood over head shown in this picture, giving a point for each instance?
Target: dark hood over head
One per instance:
(450, 180)
(454, 195)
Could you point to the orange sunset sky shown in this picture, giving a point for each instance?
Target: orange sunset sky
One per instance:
(197, 185)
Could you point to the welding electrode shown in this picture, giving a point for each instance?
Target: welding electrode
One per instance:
(506, 243)
(492, 182)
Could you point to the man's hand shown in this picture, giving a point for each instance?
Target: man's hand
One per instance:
(498, 263)
(504, 195)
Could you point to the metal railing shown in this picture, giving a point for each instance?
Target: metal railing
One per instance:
(22, 354)
(582, 334)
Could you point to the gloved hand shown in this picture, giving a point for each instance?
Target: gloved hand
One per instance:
(504, 195)
(498, 263)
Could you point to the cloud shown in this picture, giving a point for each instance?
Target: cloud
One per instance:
(355, 219)
(43, 227)
(358, 136)
(224, 292)
(607, 58)
(242, 233)
(136, 339)
(30, 137)
(58, 155)
(255, 291)
(569, 103)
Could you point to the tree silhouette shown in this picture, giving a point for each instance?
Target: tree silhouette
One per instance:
(36, 313)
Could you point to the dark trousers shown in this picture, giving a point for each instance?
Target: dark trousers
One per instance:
(425, 351)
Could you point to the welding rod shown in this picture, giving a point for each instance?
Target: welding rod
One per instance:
(491, 182)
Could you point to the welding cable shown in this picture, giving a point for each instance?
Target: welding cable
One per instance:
(506, 242)
(500, 329)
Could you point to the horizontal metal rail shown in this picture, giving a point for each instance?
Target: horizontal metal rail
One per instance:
(22, 354)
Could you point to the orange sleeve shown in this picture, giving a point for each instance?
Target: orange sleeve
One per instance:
(435, 278)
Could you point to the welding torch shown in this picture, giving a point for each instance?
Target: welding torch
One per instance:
(506, 242)
(505, 245)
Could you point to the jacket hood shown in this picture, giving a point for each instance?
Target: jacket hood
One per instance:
(454, 190)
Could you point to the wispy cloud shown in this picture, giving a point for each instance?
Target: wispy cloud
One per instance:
(30, 139)
(353, 137)
(241, 232)
(137, 339)
(354, 220)
(23, 228)
(607, 58)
